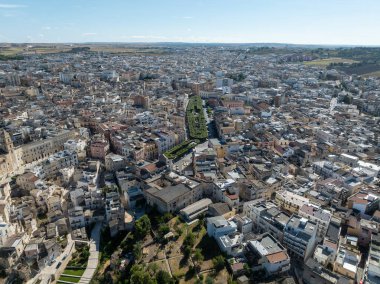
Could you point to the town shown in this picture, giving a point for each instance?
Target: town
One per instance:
(187, 164)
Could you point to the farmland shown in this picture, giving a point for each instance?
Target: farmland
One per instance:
(326, 62)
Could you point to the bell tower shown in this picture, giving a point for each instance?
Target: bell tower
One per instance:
(6, 144)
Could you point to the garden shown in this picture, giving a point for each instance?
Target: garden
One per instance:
(76, 266)
(181, 149)
(196, 118)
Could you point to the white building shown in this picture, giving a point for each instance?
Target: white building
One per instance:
(269, 255)
(316, 215)
(300, 236)
(218, 226)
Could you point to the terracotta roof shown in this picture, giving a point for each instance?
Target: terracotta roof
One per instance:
(150, 167)
(277, 257)
(232, 196)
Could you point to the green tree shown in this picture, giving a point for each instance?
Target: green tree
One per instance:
(163, 230)
(347, 99)
(164, 278)
(137, 251)
(142, 227)
(140, 276)
(189, 240)
(198, 257)
(218, 262)
(209, 280)
(153, 268)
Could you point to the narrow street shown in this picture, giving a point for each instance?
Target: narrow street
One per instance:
(93, 259)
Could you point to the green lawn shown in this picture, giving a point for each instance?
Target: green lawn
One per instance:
(76, 272)
(69, 279)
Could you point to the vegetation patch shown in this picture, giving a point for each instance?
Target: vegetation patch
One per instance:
(196, 119)
(69, 279)
(326, 62)
(75, 272)
(181, 149)
(80, 257)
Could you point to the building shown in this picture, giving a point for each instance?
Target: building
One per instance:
(218, 226)
(300, 236)
(173, 198)
(99, 149)
(192, 211)
(314, 273)
(372, 267)
(204, 160)
(244, 224)
(76, 217)
(347, 262)
(316, 215)
(268, 254)
(44, 148)
(290, 201)
(114, 162)
(273, 220)
(365, 203)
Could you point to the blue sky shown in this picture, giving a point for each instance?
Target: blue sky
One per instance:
(284, 21)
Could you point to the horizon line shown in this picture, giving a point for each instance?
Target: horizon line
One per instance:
(203, 43)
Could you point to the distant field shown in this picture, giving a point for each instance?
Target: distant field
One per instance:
(372, 74)
(128, 50)
(49, 49)
(12, 51)
(328, 61)
(46, 50)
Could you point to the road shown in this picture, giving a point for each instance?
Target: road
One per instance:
(93, 259)
(46, 273)
(210, 123)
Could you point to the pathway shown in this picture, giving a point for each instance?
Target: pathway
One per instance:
(93, 259)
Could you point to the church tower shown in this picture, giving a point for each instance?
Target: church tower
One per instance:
(6, 144)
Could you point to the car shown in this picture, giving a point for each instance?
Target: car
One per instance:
(58, 265)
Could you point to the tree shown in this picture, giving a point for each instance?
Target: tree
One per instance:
(164, 278)
(209, 280)
(140, 276)
(142, 227)
(198, 257)
(163, 230)
(189, 240)
(137, 251)
(347, 99)
(153, 268)
(218, 262)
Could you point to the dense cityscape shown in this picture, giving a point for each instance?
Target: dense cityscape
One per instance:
(188, 163)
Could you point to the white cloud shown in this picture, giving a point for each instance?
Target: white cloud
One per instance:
(47, 28)
(11, 6)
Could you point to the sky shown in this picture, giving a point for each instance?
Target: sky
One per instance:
(337, 22)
